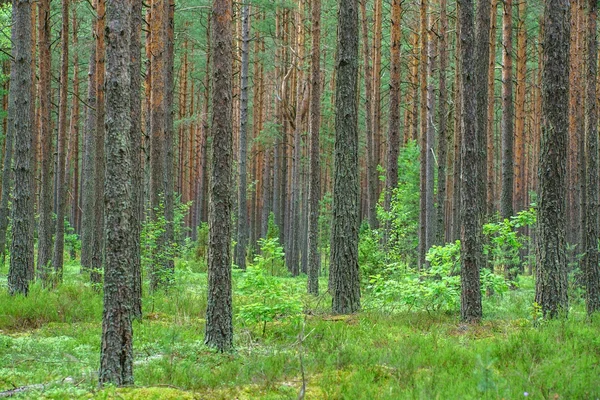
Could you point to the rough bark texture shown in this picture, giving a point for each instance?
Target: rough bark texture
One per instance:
(430, 219)
(491, 166)
(551, 273)
(242, 222)
(344, 272)
(470, 306)
(45, 207)
(219, 326)
(135, 133)
(314, 184)
(506, 197)
(592, 272)
(116, 357)
(61, 172)
(21, 249)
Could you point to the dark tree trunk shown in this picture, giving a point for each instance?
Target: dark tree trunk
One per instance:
(45, 94)
(430, 173)
(135, 133)
(344, 274)
(21, 250)
(98, 243)
(482, 57)
(116, 357)
(242, 221)
(393, 149)
(470, 307)
(506, 197)
(551, 273)
(443, 127)
(61, 172)
(314, 183)
(219, 326)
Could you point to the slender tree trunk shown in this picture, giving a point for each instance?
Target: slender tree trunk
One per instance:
(393, 148)
(135, 137)
(443, 132)
(371, 157)
(470, 307)
(88, 167)
(491, 171)
(519, 144)
(61, 173)
(21, 249)
(45, 93)
(430, 230)
(506, 197)
(242, 227)
(344, 273)
(551, 273)
(74, 133)
(314, 183)
(7, 172)
(98, 244)
(116, 357)
(423, 6)
(592, 271)
(219, 328)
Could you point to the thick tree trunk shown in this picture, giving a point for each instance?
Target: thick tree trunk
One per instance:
(7, 172)
(61, 173)
(242, 220)
(116, 357)
(314, 183)
(21, 249)
(344, 273)
(551, 273)
(470, 307)
(219, 327)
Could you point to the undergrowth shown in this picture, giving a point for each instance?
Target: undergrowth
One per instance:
(53, 337)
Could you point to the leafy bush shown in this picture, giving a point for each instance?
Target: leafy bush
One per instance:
(437, 288)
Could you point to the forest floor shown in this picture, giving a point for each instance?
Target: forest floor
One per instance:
(50, 348)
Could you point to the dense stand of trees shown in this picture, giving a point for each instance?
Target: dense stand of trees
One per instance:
(259, 115)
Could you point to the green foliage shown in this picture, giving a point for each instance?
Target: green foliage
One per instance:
(272, 228)
(72, 242)
(154, 229)
(271, 257)
(505, 241)
(201, 253)
(404, 211)
(266, 296)
(371, 259)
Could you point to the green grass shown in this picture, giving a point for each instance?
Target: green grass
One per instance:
(53, 338)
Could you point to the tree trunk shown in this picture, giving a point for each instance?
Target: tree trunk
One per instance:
(551, 273)
(430, 230)
(519, 145)
(116, 357)
(98, 244)
(491, 169)
(242, 226)
(61, 173)
(423, 6)
(45, 93)
(592, 272)
(219, 327)
(506, 197)
(443, 133)
(7, 172)
(344, 271)
(470, 306)
(314, 183)
(135, 137)
(393, 148)
(21, 250)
